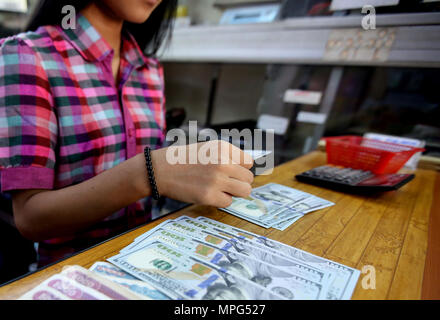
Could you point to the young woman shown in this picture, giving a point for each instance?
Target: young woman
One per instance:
(77, 108)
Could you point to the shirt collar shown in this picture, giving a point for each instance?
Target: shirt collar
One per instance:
(93, 47)
(131, 51)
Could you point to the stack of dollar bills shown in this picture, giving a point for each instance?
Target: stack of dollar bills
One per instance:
(276, 206)
(201, 258)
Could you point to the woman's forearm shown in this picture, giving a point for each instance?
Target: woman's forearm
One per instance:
(43, 214)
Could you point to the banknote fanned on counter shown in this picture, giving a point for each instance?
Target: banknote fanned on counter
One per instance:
(275, 206)
(203, 259)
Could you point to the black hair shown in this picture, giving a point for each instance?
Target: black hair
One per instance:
(149, 35)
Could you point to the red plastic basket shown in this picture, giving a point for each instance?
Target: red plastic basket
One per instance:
(367, 154)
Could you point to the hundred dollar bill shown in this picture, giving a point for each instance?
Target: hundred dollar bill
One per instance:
(187, 276)
(262, 213)
(279, 195)
(245, 217)
(285, 224)
(282, 216)
(290, 198)
(273, 204)
(277, 216)
(288, 282)
(341, 287)
(231, 244)
(125, 279)
(311, 204)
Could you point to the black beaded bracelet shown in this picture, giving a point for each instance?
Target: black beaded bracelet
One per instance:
(150, 170)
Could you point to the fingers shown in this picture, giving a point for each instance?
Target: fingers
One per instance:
(216, 198)
(238, 188)
(236, 155)
(222, 182)
(223, 200)
(220, 173)
(231, 188)
(240, 173)
(223, 152)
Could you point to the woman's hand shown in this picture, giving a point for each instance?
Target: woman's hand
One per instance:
(208, 173)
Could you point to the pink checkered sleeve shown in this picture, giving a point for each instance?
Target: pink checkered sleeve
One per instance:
(28, 124)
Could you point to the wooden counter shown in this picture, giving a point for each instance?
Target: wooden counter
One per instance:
(388, 232)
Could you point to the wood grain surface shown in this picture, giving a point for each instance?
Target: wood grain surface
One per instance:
(388, 233)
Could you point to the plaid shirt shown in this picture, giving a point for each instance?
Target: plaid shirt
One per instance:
(63, 120)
